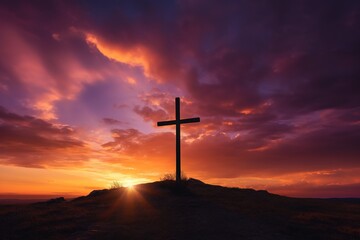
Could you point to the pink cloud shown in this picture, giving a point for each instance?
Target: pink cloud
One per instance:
(32, 142)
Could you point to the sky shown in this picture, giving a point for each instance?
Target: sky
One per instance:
(275, 83)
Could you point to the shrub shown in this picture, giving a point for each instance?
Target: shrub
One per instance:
(172, 177)
(116, 185)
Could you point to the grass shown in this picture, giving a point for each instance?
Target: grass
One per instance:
(172, 177)
(116, 184)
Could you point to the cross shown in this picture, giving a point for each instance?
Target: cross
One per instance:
(177, 122)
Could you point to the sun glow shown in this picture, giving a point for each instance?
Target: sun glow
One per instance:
(130, 183)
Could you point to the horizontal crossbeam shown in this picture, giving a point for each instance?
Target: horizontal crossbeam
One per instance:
(182, 121)
(189, 120)
(164, 123)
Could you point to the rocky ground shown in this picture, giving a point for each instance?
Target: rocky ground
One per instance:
(161, 210)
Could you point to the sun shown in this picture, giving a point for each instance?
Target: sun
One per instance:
(130, 187)
(129, 184)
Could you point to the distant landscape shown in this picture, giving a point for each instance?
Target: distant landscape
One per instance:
(195, 210)
(25, 198)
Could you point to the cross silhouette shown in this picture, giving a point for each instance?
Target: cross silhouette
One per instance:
(177, 122)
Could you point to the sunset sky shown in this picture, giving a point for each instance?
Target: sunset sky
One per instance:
(275, 83)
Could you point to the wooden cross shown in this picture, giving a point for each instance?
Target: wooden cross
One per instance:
(177, 122)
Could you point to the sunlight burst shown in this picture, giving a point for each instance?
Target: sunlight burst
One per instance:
(130, 184)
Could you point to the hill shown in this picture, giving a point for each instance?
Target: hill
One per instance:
(160, 210)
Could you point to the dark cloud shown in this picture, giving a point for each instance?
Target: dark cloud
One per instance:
(302, 56)
(290, 56)
(32, 142)
(230, 56)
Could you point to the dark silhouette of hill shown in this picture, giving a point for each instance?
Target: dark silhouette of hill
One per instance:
(196, 210)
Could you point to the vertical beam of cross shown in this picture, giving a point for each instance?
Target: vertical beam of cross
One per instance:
(177, 122)
(178, 139)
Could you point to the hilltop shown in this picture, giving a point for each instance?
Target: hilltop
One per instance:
(160, 210)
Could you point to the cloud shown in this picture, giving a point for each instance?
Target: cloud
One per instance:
(111, 121)
(142, 151)
(40, 70)
(32, 142)
(271, 149)
(242, 62)
(242, 71)
(159, 106)
(321, 163)
(150, 114)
